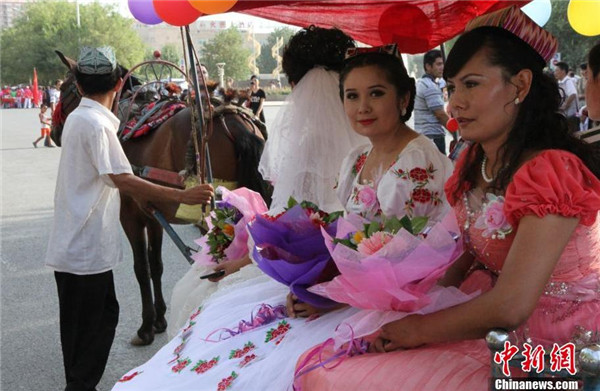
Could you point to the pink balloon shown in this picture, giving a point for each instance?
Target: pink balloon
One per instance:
(143, 11)
(176, 12)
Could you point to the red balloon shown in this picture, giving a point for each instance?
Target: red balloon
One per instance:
(176, 12)
(406, 25)
(452, 125)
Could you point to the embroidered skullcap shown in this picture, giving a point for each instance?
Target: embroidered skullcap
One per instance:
(96, 61)
(391, 49)
(517, 22)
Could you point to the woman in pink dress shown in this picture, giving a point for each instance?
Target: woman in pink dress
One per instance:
(527, 197)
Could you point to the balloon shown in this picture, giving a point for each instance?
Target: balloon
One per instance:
(413, 39)
(539, 11)
(583, 16)
(212, 6)
(176, 12)
(143, 11)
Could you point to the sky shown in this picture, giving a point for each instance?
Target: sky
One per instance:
(230, 16)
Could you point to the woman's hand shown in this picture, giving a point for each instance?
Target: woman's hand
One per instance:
(296, 308)
(400, 334)
(230, 267)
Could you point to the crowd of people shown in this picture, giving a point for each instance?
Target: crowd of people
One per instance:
(525, 195)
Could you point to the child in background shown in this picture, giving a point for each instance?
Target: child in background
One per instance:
(45, 122)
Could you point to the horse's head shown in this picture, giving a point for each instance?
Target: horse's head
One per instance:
(70, 96)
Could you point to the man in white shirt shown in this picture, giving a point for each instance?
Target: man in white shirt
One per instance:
(568, 93)
(85, 241)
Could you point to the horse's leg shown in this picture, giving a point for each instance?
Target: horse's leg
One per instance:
(134, 227)
(155, 235)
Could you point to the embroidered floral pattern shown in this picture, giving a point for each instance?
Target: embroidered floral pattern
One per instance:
(203, 365)
(238, 353)
(129, 377)
(225, 383)
(419, 176)
(360, 162)
(247, 360)
(195, 314)
(277, 334)
(492, 220)
(181, 364)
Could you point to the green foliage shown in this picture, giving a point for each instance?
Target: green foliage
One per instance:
(169, 52)
(265, 62)
(46, 26)
(227, 47)
(222, 234)
(572, 46)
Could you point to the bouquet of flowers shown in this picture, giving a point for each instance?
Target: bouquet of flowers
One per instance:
(227, 236)
(290, 248)
(389, 269)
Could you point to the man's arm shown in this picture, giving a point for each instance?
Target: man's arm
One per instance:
(441, 116)
(142, 189)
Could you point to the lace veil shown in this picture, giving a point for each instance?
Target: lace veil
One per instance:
(309, 138)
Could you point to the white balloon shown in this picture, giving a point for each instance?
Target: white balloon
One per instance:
(539, 11)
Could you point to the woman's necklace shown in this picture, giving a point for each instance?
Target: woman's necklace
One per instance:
(483, 171)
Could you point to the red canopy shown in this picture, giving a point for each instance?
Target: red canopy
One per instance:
(416, 25)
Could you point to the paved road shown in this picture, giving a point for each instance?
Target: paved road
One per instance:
(30, 356)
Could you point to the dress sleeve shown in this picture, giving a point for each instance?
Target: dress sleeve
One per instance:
(554, 182)
(414, 185)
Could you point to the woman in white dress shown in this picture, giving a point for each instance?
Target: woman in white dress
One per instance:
(216, 350)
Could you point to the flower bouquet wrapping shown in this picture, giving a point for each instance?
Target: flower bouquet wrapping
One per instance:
(390, 272)
(227, 237)
(290, 248)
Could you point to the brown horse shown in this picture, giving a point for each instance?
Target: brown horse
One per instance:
(235, 149)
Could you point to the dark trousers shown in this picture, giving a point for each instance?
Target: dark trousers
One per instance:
(440, 142)
(89, 313)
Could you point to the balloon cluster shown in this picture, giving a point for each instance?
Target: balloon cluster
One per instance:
(176, 12)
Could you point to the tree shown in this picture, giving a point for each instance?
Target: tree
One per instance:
(169, 52)
(47, 26)
(572, 46)
(227, 47)
(265, 62)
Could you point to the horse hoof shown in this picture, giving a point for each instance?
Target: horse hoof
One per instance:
(139, 341)
(160, 326)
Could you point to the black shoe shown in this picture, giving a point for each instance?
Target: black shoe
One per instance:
(34, 144)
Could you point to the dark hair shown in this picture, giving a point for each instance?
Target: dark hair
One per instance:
(394, 71)
(583, 66)
(538, 125)
(312, 47)
(253, 77)
(430, 57)
(97, 84)
(594, 61)
(562, 65)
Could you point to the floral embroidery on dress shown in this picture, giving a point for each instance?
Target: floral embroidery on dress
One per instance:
(225, 383)
(277, 334)
(248, 359)
(418, 175)
(360, 162)
(238, 353)
(195, 314)
(181, 364)
(129, 377)
(203, 365)
(492, 220)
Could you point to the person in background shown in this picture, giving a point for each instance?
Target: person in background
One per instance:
(568, 92)
(45, 122)
(85, 240)
(257, 98)
(54, 94)
(430, 116)
(581, 83)
(592, 91)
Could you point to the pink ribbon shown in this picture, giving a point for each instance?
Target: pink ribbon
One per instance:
(355, 347)
(264, 315)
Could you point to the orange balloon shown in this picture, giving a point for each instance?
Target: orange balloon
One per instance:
(212, 6)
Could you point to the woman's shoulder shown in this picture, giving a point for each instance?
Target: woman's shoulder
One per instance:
(422, 150)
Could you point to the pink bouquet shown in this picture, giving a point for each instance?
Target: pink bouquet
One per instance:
(389, 272)
(227, 237)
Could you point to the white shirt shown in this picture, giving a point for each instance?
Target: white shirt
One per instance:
(413, 185)
(566, 89)
(85, 236)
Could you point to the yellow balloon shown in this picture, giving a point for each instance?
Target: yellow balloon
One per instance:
(584, 16)
(212, 6)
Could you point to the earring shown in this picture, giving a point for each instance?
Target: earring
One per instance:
(517, 101)
(403, 112)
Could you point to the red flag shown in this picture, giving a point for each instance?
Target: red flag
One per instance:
(35, 90)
